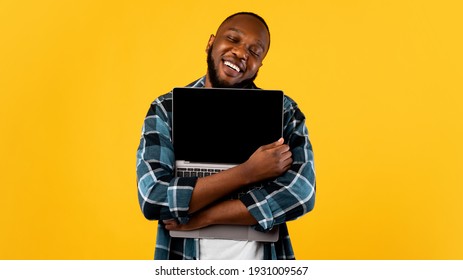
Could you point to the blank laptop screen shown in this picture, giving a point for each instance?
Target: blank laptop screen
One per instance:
(224, 125)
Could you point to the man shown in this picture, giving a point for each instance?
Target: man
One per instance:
(284, 169)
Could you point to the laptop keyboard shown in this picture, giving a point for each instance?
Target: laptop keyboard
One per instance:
(196, 172)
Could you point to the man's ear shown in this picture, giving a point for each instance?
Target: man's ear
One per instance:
(210, 42)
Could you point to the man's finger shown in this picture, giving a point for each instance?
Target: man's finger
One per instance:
(169, 222)
(282, 149)
(273, 145)
(286, 154)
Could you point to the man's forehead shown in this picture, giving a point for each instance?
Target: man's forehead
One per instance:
(245, 24)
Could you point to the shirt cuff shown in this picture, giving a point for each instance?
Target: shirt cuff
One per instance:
(259, 208)
(179, 195)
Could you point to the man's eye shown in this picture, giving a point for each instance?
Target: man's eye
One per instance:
(254, 53)
(232, 39)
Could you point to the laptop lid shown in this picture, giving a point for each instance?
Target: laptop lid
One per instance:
(223, 127)
(212, 125)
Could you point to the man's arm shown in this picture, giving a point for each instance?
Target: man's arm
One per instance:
(229, 212)
(266, 162)
(161, 195)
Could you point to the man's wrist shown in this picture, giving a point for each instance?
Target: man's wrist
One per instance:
(246, 177)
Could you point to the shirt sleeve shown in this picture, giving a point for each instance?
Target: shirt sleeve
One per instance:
(291, 195)
(161, 195)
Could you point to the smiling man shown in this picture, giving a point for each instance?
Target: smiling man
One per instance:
(236, 52)
(283, 170)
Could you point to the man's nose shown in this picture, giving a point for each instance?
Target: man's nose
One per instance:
(241, 52)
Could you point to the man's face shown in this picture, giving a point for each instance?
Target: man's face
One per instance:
(235, 54)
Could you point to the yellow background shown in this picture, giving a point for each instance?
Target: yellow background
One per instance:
(379, 81)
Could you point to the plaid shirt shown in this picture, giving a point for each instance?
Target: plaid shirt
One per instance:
(163, 196)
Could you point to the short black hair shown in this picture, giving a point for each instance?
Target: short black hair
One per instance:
(249, 14)
(253, 15)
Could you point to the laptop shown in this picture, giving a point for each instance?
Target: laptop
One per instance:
(214, 129)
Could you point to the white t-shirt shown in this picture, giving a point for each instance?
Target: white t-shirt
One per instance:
(224, 249)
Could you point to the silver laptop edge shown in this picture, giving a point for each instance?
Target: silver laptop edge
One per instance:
(229, 232)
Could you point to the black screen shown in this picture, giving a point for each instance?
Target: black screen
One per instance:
(224, 125)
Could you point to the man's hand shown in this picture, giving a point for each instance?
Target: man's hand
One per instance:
(172, 224)
(269, 161)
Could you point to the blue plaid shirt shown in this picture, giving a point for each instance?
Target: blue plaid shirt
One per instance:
(163, 196)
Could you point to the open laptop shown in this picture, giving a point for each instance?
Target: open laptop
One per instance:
(215, 129)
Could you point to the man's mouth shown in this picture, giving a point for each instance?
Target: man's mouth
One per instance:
(232, 66)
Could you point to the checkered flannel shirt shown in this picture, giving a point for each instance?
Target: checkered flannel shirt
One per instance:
(163, 196)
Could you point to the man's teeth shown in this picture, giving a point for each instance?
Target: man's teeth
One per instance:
(233, 66)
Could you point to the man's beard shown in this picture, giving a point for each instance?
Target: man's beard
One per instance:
(216, 82)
